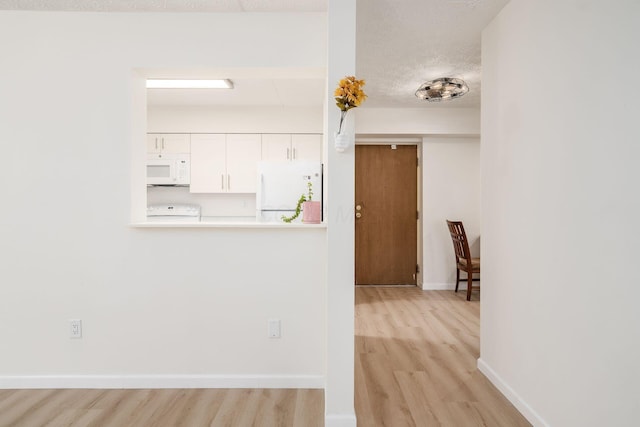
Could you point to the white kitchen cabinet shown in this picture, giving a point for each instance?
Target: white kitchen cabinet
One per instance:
(276, 146)
(292, 147)
(168, 143)
(306, 147)
(224, 163)
(244, 151)
(208, 163)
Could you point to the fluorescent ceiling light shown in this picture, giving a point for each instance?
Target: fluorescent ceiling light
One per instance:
(189, 84)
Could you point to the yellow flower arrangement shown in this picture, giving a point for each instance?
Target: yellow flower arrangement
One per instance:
(348, 95)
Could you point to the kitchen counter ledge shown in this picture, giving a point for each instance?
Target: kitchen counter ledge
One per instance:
(224, 222)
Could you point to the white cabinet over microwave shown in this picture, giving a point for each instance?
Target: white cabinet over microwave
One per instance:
(224, 163)
(168, 143)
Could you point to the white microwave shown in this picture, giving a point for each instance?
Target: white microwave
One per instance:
(170, 169)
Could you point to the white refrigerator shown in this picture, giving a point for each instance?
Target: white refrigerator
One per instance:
(280, 185)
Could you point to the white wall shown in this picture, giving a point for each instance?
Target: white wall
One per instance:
(418, 121)
(560, 326)
(235, 119)
(192, 303)
(451, 190)
(339, 184)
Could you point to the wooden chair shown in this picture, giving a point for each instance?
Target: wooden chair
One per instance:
(464, 261)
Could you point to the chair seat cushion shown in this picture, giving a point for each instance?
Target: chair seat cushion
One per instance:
(475, 263)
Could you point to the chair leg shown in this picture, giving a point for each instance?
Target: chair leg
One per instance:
(457, 278)
(469, 285)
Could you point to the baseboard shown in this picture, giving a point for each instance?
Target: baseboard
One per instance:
(527, 411)
(440, 286)
(161, 381)
(340, 420)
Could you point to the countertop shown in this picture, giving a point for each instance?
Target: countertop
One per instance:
(224, 222)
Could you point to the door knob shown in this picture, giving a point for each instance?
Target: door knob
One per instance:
(358, 214)
(358, 207)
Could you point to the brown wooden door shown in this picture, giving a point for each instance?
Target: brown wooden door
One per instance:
(386, 209)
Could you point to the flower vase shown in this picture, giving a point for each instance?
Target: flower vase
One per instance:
(311, 212)
(343, 141)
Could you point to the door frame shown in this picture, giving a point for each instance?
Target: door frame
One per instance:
(417, 141)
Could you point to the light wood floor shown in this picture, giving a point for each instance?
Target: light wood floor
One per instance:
(160, 408)
(416, 354)
(415, 365)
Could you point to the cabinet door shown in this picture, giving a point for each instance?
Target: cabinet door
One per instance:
(154, 144)
(306, 147)
(175, 143)
(159, 143)
(243, 155)
(208, 164)
(276, 147)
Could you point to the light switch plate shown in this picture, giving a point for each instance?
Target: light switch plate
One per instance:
(273, 328)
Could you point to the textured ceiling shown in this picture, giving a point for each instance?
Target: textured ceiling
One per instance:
(400, 43)
(169, 5)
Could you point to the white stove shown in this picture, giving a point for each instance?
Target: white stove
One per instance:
(173, 213)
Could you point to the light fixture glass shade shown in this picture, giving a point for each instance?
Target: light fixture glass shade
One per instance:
(189, 84)
(444, 88)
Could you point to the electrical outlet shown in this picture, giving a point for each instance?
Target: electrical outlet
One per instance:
(75, 328)
(273, 328)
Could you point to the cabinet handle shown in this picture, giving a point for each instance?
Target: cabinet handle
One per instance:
(163, 143)
(294, 154)
(156, 143)
(222, 181)
(288, 150)
(229, 182)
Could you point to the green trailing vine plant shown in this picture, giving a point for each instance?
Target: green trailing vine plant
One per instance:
(303, 198)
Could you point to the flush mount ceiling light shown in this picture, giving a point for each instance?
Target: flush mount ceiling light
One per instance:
(189, 84)
(442, 89)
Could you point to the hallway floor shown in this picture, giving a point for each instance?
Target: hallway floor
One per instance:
(415, 361)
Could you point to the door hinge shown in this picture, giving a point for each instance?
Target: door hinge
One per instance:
(417, 214)
(417, 268)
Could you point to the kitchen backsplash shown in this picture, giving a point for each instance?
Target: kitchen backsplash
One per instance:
(211, 204)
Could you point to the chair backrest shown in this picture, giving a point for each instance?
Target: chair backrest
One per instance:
(459, 238)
